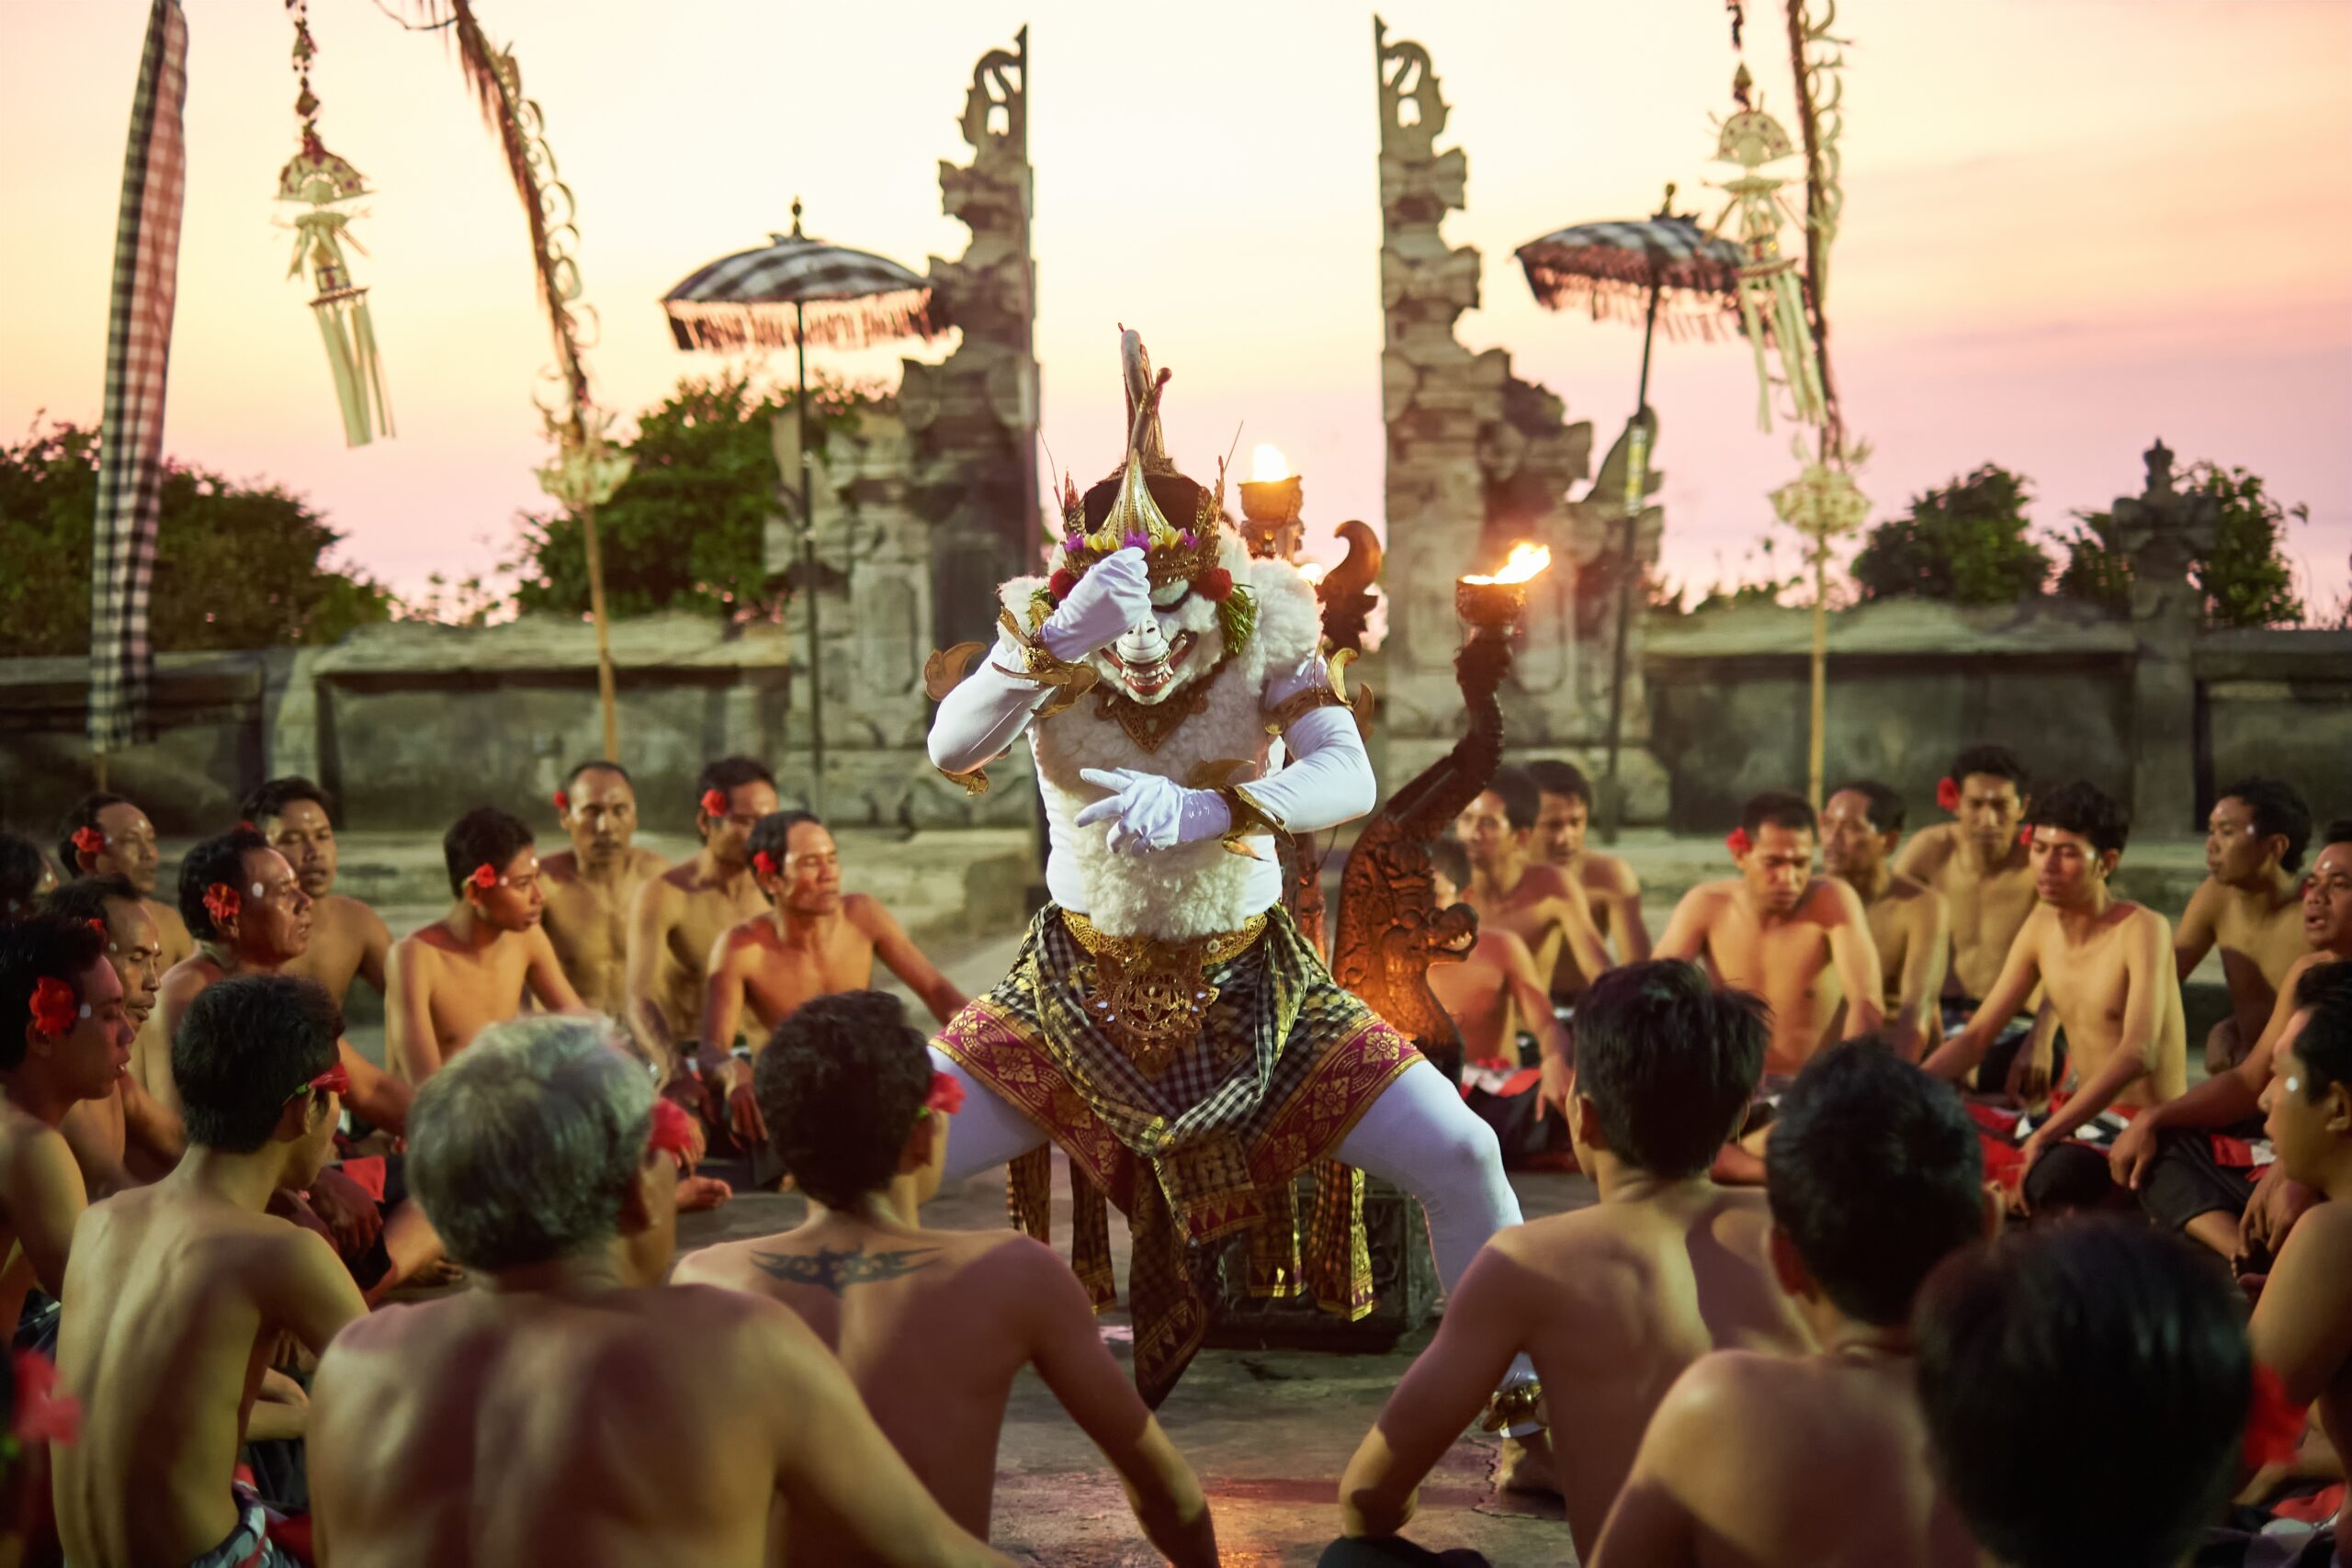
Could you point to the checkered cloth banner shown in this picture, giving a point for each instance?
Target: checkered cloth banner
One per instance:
(846, 299)
(138, 352)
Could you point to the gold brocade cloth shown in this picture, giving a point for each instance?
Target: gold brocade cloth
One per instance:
(1196, 1133)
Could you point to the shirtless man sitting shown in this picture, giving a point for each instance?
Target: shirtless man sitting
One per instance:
(470, 968)
(104, 1131)
(26, 875)
(680, 914)
(107, 835)
(348, 938)
(1494, 993)
(2250, 905)
(179, 1292)
(1614, 1301)
(1563, 818)
(861, 1124)
(2106, 965)
(1534, 901)
(1799, 942)
(1910, 923)
(2066, 1430)
(2172, 1155)
(66, 1039)
(813, 941)
(2302, 1323)
(1985, 875)
(597, 1416)
(1821, 1461)
(592, 885)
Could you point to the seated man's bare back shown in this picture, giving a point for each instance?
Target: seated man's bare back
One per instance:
(931, 1325)
(474, 966)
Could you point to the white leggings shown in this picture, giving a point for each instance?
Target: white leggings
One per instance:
(1417, 1136)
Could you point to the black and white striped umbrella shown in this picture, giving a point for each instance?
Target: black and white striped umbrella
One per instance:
(768, 298)
(1609, 269)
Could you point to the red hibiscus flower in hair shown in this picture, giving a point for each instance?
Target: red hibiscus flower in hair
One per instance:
(764, 863)
(1215, 585)
(2025, 836)
(1738, 844)
(54, 1007)
(946, 1095)
(221, 902)
(714, 803)
(2273, 1424)
(90, 841)
(563, 800)
(1948, 795)
(43, 1415)
(485, 876)
(1057, 586)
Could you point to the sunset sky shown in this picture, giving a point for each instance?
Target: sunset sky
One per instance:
(2070, 226)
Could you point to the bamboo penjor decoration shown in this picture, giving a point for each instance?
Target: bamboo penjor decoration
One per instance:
(323, 182)
(585, 472)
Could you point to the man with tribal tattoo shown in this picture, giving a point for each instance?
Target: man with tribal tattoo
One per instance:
(1165, 1023)
(860, 1118)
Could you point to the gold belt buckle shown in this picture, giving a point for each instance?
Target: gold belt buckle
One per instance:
(1149, 995)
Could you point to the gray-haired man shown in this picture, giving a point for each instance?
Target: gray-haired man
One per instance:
(619, 1421)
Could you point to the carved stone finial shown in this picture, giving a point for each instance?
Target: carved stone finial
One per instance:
(2164, 532)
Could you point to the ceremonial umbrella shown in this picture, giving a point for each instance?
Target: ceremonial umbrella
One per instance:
(1613, 269)
(779, 296)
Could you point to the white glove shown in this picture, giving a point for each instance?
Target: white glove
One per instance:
(1114, 596)
(1148, 812)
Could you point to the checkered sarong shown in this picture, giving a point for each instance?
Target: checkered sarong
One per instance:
(139, 350)
(1287, 1063)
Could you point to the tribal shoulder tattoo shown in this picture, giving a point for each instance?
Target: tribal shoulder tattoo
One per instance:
(837, 1272)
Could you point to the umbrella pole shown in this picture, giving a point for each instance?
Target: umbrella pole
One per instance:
(809, 570)
(1637, 445)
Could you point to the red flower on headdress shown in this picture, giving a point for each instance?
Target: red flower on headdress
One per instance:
(42, 1415)
(946, 1095)
(54, 1007)
(2273, 1424)
(1215, 586)
(1948, 795)
(221, 902)
(563, 800)
(764, 863)
(714, 803)
(1057, 586)
(485, 876)
(673, 1133)
(90, 841)
(1739, 842)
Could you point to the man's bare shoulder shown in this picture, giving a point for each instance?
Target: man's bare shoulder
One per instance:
(868, 914)
(2130, 915)
(1607, 874)
(561, 866)
(1602, 1231)
(344, 911)
(26, 1139)
(2329, 1239)
(421, 945)
(643, 863)
(183, 980)
(1927, 851)
(678, 881)
(1712, 896)
(1541, 880)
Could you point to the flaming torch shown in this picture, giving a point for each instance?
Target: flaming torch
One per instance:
(1496, 603)
(1271, 498)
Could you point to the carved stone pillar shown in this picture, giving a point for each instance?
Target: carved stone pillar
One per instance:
(2165, 532)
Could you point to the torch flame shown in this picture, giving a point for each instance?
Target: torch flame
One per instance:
(1312, 572)
(1267, 463)
(1524, 561)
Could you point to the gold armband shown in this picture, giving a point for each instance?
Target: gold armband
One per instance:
(1298, 705)
(1039, 665)
(1249, 818)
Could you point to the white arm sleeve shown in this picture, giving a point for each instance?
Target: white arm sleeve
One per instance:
(1328, 780)
(985, 714)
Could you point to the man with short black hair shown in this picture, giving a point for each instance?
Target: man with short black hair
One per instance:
(26, 875)
(295, 817)
(1534, 900)
(1563, 818)
(592, 885)
(2089, 1360)
(103, 1132)
(2105, 966)
(847, 1090)
(2250, 905)
(470, 968)
(1910, 924)
(106, 835)
(679, 915)
(1874, 1177)
(663, 1423)
(814, 940)
(1799, 942)
(1495, 992)
(1612, 1301)
(64, 1038)
(179, 1292)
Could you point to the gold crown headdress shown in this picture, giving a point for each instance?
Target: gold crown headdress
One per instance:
(1134, 520)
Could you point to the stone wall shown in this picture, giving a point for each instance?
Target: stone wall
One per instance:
(1477, 459)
